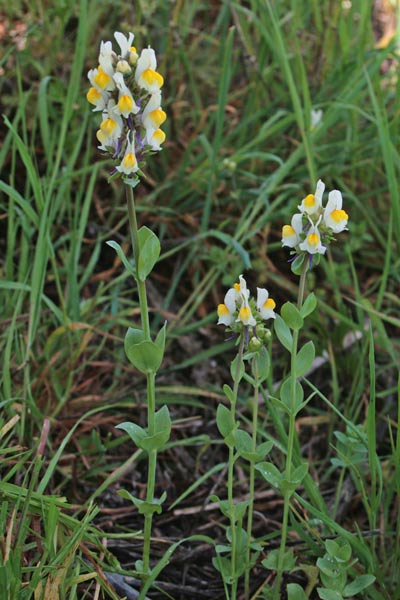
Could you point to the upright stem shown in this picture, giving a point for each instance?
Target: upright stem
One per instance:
(144, 310)
(231, 471)
(291, 438)
(151, 403)
(251, 479)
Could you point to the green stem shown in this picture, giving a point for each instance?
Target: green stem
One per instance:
(144, 310)
(291, 439)
(231, 463)
(251, 479)
(151, 402)
(151, 474)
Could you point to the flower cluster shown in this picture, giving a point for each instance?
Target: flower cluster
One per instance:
(239, 311)
(314, 226)
(126, 88)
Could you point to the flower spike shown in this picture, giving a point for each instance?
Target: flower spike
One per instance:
(126, 89)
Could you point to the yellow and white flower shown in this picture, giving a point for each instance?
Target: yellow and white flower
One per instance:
(245, 315)
(106, 58)
(242, 293)
(126, 105)
(334, 216)
(101, 80)
(312, 203)
(154, 138)
(153, 116)
(312, 242)
(146, 75)
(110, 127)
(129, 163)
(291, 233)
(97, 97)
(227, 309)
(265, 304)
(126, 88)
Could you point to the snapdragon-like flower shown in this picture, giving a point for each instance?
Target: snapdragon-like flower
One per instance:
(312, 203)
(245, 315)
(334, 216)
(312, 243)
(240, 311)
(110, 128)
(314, 227)
(291, 233)
(125, 87)
(227, 310)
(146, 74)
(129, 163)
(265, 304)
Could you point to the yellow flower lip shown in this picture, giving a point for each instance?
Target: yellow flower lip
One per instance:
(101, 78)
(339, 215)
(93, 95)
(129, 160)
(236, 287)
(309, 200)
(244, 313)
(108, 126)
(125, 103)
(313, 239)
(222, 310)
(269, 304)
(287, 230)
(152, 78)
(159, 136)
(158, 117)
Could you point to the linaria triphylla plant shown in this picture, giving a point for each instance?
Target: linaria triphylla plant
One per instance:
(309, 234)
(244, 317)
(125, 88)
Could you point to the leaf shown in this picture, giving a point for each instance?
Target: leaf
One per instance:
(297, 264)
(264, 448)
(162, 423)
(149, 251)
(263, 364)
(243, 442)
(304, 359)
(299, 473)
(122, 257)
(160, 338)
(295, 592)
(359, 584)
(283, 333)
(145, 355)
(229, 393)
(226, 425)
(234, 369)
(279, 404)
(271, 562)
(270, 473)
(326, 594)
(309, 305)
(285, 393)
(135, 432)
(291, 315)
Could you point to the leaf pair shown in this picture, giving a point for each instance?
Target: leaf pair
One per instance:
(143, 439)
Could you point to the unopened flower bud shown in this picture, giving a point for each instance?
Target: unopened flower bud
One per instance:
(123, 67)
(254, 344)
(263, 333)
